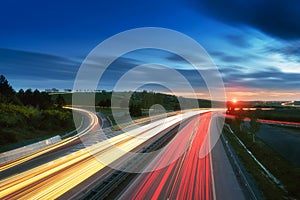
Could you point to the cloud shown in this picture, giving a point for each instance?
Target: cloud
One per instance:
(228, 58)
(116, 70)
(269, 78)
(123, 65)
(37, 70)
(238, 40)
(31, 65)
(245, 70)
(26, 69)
(276, 18)
(290, 51)
(175, 58)
(202, 58)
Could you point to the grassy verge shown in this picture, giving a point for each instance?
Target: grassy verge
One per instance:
(22, 125)
(108, 113)
(283, 114)
(275, 163)
(122, 117)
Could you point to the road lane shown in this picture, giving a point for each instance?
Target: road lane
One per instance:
(91, 123)
(226, 183)
(189, 177)
(52, 179)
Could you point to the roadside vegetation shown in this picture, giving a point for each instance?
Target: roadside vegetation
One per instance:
(143, 99)
(138, 105)
(291, 114)
(28, 116)
(276, 111)
(283, 170)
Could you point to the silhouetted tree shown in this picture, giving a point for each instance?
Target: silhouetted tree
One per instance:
(105, 103)
(148, 99)
(27, 97)
(135, 110)
(46, 101)
(7, 93)
(101, 103)
(239, 119)
(5, 88)
(254, 126)
(60, 101)
(176, 107)
(21, 95)
(36, 99)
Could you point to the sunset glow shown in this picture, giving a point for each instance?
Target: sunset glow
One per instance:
(256, 63)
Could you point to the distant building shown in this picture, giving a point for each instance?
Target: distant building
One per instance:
(52, 90)
(68, 90)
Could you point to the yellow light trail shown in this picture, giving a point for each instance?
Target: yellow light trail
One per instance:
(51, 180)
(93, 124)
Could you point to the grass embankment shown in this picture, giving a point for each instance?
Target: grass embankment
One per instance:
(279, 114)
(22, 125)
(274, 162)
(122, 116)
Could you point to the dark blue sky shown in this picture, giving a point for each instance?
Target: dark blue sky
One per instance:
(255, 44)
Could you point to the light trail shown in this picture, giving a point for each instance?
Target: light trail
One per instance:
(7, 165)
(188, 177)
(68, 141)
(51, 180)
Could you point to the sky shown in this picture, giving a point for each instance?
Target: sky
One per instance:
(255, 44)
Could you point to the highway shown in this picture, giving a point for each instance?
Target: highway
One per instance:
(189, 177)
(177, 171)
(52, 179)
(89, 123)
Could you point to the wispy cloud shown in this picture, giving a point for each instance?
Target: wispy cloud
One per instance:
(28, 65)
(289, 50)
(238, 40)
(265, 79)
(30, 69)
(225, 57)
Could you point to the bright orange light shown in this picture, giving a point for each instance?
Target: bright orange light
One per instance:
(234, 101)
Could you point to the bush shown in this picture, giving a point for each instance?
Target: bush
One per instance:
(18, 123)
(135, 110)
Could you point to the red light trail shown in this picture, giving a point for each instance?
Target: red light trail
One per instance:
(189, 177)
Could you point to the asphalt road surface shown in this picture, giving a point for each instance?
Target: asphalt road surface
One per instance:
(178, 171)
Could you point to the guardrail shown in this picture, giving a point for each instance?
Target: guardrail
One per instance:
(13, 154)
(241, 176)
(69, 134)
(268, 173)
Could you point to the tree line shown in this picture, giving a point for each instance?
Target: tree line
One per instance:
(145, 99)
(37, 99)
(27, 115)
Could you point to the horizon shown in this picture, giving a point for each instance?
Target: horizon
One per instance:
(149, 91)
(257, 53)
